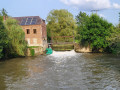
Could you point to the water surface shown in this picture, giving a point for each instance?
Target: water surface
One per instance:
(61, 71)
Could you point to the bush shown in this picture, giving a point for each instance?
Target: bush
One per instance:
(94, 31)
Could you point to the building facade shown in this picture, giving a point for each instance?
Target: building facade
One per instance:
(35, 30)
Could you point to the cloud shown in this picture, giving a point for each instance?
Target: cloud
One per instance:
(116, 6)
(91, 4)
(88, 4)
(101, 15)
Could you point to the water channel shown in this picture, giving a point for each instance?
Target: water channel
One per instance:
(61, 71)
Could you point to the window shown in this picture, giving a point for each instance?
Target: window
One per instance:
(28, 31)
(34, 31)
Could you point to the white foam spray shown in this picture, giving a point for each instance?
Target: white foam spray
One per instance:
(63, 53)
(62, 56)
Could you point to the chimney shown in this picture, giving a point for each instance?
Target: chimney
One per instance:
(43, 21)
(4, 18)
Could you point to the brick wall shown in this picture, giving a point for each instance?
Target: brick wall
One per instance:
(33, 39)
(44, 35)
(44, 32)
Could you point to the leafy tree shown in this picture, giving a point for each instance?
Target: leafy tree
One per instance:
(114, 40)
(95, 32)
(3, 37)
(16, 36)
(12, 38)
(60, 23)
(82, 20)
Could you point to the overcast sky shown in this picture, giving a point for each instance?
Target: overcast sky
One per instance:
(108, 9)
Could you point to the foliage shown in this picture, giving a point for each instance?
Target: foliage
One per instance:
(3, 37)
(114, 40)
(16, 36)
(12, 37)
(32, 52)
(94, 31)
(82, 21)
(60, 23)
(4, 12)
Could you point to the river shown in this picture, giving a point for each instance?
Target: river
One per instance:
(61, 71)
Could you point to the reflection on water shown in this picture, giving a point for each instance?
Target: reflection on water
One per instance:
(61, 71)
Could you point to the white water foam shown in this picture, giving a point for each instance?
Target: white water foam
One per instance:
(62, 56)
(63, 53)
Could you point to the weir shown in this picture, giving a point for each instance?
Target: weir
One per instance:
(62, 47)
(62, 43)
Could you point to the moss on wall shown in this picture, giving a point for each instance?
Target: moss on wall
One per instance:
(32, 52)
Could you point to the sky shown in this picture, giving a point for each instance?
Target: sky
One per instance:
(108, 9)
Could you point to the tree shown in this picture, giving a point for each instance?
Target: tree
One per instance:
(82, 20)
(16, 36)
(4, 12)
(60, 23)
(114, 40)
(95, 32)
(3, 38)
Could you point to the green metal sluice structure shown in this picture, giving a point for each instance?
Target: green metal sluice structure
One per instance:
(49, 51)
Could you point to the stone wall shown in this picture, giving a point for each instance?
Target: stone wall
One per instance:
(38, 51)
(82, 49)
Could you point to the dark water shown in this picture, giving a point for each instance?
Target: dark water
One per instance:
(61, 71)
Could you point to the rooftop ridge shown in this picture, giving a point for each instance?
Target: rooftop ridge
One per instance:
(27, 16)
(24, 20)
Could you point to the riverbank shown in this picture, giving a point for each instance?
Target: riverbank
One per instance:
(34, 50)
(82, 49)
